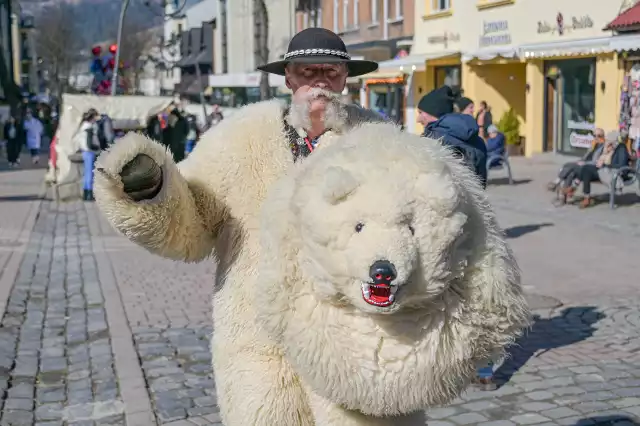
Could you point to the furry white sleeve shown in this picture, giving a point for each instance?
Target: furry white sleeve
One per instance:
(179, 223)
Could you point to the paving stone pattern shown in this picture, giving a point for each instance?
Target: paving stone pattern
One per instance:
(177, 368)
(578, 366)
(56, 362)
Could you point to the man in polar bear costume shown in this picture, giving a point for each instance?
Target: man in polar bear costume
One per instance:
(210, 204)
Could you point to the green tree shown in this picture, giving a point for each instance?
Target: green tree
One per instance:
(509, 125)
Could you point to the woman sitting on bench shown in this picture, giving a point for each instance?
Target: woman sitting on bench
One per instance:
(614, 155)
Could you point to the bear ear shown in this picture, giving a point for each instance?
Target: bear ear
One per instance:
(338, 184)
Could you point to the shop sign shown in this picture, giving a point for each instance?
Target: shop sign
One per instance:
(444, 39)
(581, 135)
(560, 27)
(495, 33)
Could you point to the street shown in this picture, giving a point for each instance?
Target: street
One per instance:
(95, 331)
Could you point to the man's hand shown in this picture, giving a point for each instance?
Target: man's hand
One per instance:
(317, 108)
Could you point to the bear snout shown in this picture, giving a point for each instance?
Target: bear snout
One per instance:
(383, 272)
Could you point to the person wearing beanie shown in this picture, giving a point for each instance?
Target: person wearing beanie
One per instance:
(464, 106)
(458, 131)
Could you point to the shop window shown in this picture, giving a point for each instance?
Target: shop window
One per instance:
(448, 76)
(570, 105)
(387, 100)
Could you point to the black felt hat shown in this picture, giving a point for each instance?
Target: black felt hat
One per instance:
(319, 46)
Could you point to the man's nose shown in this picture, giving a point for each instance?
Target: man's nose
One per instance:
(321, 84)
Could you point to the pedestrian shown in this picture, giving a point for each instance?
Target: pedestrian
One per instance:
(460, 132)
(456, 130)
(484, 119)
(87, 142)
(192, 135)
(496, 146)
(14, 142)
(464, 106)
(34, 131)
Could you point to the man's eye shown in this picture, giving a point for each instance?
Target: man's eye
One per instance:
(332, 74)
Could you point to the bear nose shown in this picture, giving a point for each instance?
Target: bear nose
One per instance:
(382, 272)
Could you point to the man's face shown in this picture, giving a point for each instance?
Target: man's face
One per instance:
(493, 134)
(469, 110)
(331, 77)
(424, 118)
(599, 134)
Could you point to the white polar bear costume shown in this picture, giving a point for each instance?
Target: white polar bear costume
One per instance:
(211, 203)
(452, 300)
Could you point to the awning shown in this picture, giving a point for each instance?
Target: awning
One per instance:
(628, 18)
(408, 64)
(489, 53)
(589, 46)
(625, 42)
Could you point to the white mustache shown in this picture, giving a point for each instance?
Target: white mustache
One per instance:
(317, 92)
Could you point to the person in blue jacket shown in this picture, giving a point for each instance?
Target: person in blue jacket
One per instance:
(458, 131)
(496, 145)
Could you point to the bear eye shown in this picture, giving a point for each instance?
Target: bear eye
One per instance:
(412, 229)
(359, 226)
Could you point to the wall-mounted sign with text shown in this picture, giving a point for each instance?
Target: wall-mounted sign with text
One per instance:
(560, 27)
(495, 33)
(445, 39)
(581, 135)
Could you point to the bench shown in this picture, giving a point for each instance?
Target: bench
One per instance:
(505, 164)
(623, 177)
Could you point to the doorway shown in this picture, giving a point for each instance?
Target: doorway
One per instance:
(551, 102)
(569, 104)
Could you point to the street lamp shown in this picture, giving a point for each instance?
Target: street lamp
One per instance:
(114, 79)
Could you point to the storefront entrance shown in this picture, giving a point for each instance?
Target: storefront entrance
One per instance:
(387, 98)
(449, 76)
(569, 105)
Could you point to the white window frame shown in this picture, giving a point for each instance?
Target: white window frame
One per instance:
(399, 11)
(305, 20)
(319, 13)
(374, 11)
(345, 14)
(356, 12)
(437, 8)
(336, 9)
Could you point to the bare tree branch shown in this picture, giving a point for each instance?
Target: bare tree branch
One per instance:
(136, 43)
(57, 42)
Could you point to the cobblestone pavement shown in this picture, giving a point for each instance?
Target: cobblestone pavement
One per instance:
(578, 365)
(56, 362)
(168, 305)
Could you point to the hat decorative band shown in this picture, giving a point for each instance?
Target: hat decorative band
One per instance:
(307, 52)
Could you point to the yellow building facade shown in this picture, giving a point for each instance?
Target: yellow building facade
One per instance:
(550, 61)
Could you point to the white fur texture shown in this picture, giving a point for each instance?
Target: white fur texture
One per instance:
(294, 345)
(459, 303)
(210, 204)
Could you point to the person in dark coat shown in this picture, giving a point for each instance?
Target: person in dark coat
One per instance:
(176, 134)
(14, 135)
(496, 146)
(456, 130)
